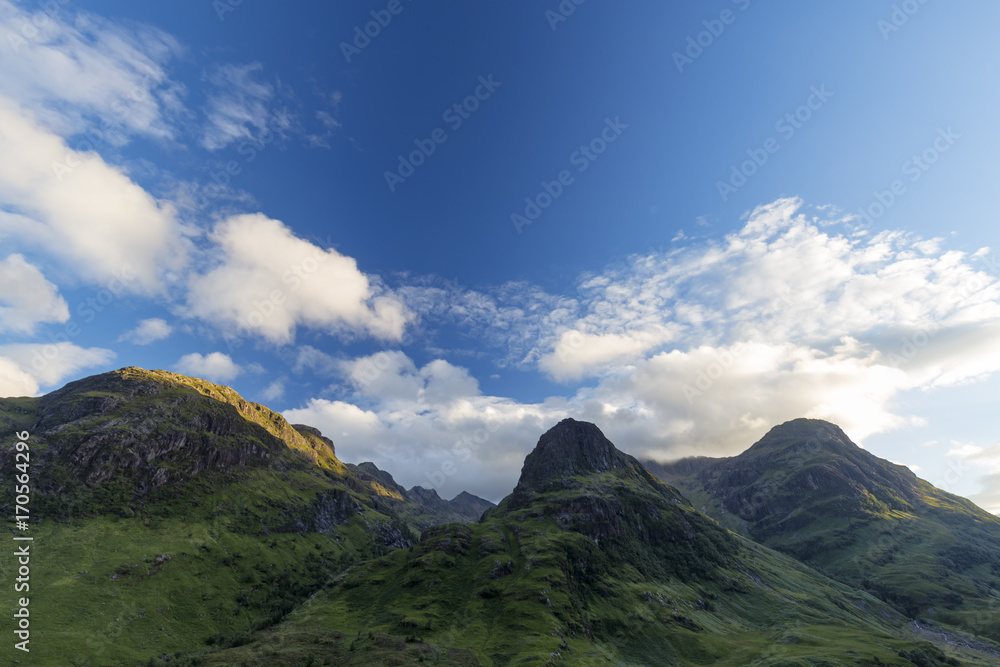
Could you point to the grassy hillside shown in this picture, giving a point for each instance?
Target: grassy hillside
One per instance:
(805, 489)
(169, 513)
(603, 567)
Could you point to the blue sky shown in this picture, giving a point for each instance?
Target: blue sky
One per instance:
(686, 223)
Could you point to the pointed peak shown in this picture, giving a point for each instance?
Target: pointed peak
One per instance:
(570, 448)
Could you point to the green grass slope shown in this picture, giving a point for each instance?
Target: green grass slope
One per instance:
(591, 561)
(169, 513)
(805, 489)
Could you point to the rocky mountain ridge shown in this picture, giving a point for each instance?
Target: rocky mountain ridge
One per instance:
(807, 490)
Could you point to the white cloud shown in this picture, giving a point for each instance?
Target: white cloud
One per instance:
(14, 381)
(697, 349)
(215, 367)
(27, 298)
(147, 331)
(81, 209)
(27, 367)
(238, 106)
(82, 74)
(268, 282)
(308, 358)
(429, 426)
(577, 354)
(273, 391)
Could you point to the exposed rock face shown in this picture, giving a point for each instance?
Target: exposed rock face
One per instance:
(422, 507)
(152, 427)
(578, 478)
(571, 448)
(807, 490)
(316, 434)
(126, 434)
(331, 509)
(469, 505)
(798, 460)
(369, 469)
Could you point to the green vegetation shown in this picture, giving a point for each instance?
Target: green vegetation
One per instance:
(606, 568)
(168, 513)
(177, 524)
(806, 490)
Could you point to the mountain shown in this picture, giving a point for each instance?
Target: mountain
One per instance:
(591, 560)
(806, 490)
(168, 511)
(422, 507)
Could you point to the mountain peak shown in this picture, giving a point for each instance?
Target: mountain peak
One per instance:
(570, 448)
(811, 433)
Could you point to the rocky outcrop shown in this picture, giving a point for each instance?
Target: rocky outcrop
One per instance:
(571, 449)
(123, 436)
(419, 506)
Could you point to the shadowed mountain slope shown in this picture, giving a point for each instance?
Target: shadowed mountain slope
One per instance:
(422, 507)
(805, 489)
(173, 512)
(590, 561)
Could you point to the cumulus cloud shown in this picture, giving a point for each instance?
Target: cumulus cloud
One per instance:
(27, 298)
(215, 367)
(14, 381)
(701, 348)
(27, 367)
(81, 209)
(429, 426)
(147, 331)
(267, 282)
(696, 350)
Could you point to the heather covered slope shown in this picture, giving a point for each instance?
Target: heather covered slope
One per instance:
(169, 512)
(805, 489)
(591, 560)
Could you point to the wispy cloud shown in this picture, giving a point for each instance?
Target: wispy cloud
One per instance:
(82, 74)
(239, 106)
(696, 349)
